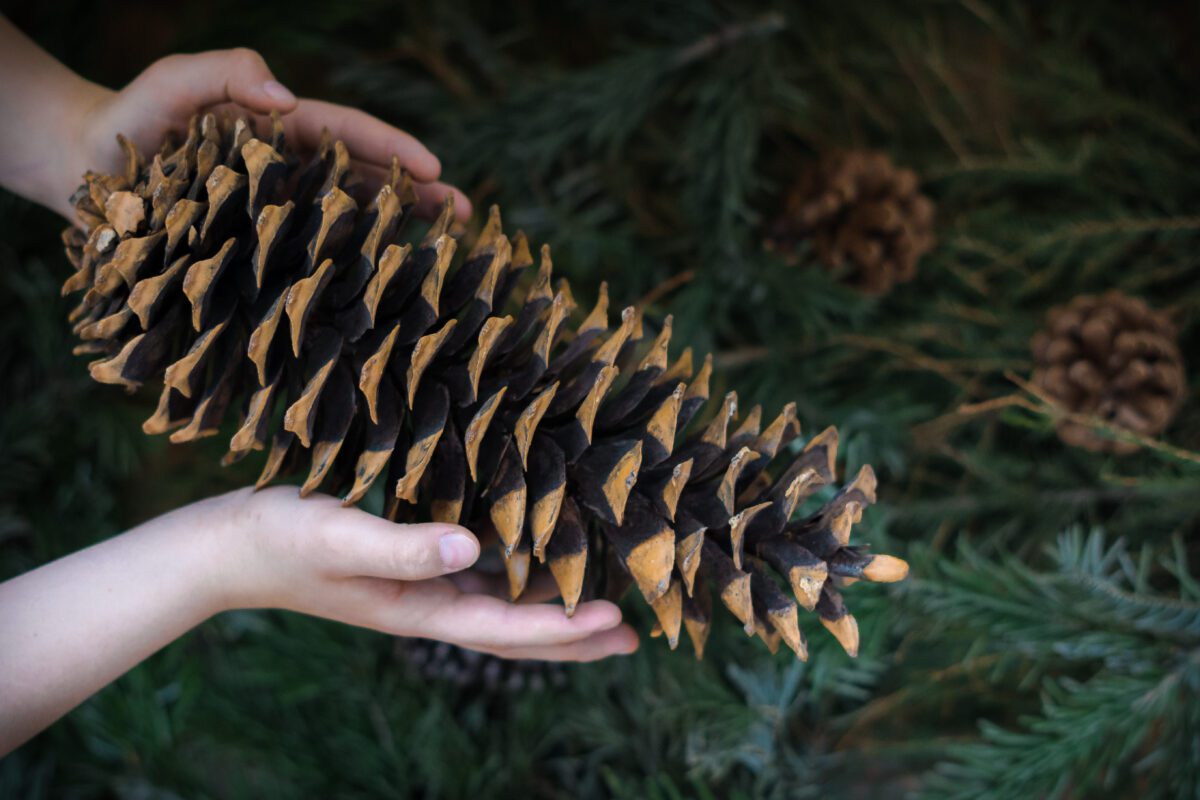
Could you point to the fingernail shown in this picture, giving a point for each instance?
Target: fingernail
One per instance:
(278, 91)
(458, 550)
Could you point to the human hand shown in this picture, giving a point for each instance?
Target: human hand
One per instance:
(74, 625)
(168, 92)
(312, 555)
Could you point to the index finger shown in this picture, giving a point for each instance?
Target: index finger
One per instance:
(482, 622)
(367, 138)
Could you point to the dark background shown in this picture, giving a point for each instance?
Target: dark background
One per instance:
(1048, 644)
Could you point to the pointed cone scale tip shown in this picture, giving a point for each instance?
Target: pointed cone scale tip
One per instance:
(698, 388)
(568, 574)
(697, 630)
(522, 256)
(619, 484)
(769, 636)
(828, 439)
(442, 225)
(650, 564)
(675, 486)
(845, 630)
(736, 597)
(886, 569)
(490, 233)
(508, 515)
(669, 610)
(687, 558)
(865, 482)
(807, 589)
(598, 319)
(517, 564)
(787, 625)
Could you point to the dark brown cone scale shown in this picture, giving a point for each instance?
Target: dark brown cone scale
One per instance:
(254, 288)
(863, 215)
(1112, 357)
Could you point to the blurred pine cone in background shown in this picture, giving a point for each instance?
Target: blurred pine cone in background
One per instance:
(440, 661)
(1113, 357)
(861, 213)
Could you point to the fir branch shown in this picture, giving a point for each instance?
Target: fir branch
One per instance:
(1143, 647)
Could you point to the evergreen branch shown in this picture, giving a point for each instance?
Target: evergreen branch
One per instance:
(1039, 403)
(1079, 611)
(1093, 228)
(1089, 734)
(766, 25)
(1049, 407)
(1086, 737)
(663, 289)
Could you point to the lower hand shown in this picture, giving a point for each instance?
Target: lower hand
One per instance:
(274, 549)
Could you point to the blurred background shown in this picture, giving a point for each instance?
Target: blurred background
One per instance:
(1048, 641)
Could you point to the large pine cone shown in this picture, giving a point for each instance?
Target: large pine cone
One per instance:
(245, 279)
(1113, 357)
(862, 214)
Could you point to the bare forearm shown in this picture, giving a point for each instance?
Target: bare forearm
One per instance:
(40, 101)
(69, 628)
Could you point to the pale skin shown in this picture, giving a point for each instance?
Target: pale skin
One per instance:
(72, 626)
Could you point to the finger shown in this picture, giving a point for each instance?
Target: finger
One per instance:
(481, 622)
(366, 137)
(473, 582)
(429, 195)
(621, 640)
(436, 609)
(352, 542)
(188, 83)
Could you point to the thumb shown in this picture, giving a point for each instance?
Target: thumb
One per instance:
(187, 83)
(364, 544)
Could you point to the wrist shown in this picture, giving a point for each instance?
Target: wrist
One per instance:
(212, 551)
(80, 145)
(55, 142)
(238, 536)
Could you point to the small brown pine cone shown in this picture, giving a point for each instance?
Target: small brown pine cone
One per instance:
(860, 211)
(1113, 357)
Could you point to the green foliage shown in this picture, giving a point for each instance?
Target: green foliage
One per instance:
(650, 143)
(1121, 664)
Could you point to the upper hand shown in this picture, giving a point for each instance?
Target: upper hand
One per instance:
(314, 556)
(168, 92)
